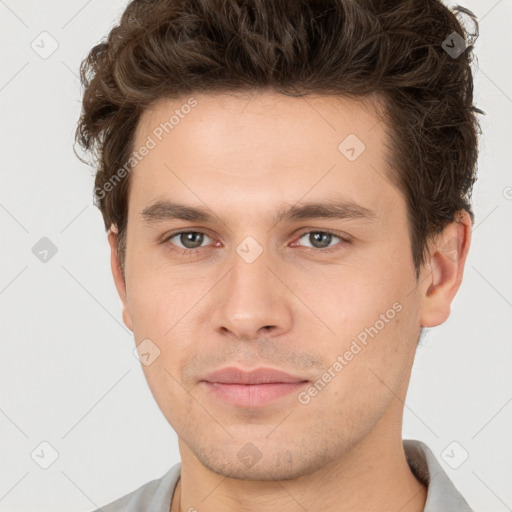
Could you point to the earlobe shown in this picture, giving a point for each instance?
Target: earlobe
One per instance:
(444, 270)
(117, 273)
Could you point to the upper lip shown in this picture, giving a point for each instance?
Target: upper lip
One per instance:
(234, 375)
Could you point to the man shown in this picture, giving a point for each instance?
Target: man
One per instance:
(286, 191)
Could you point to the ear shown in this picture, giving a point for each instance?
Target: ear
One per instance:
(117, 273)
(444, 269)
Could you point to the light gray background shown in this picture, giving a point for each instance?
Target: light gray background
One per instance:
(68, 374)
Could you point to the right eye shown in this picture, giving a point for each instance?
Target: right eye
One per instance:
(191, 241)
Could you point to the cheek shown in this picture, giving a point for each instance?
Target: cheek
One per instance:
(371, 364)
(157, 300)
(163, 306)
(373, 325)
(349, 299)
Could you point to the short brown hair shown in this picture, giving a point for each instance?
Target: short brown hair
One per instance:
(398, 51)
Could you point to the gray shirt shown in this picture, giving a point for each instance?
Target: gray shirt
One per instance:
(442, 495)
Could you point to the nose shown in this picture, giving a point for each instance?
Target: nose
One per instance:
(251, 301)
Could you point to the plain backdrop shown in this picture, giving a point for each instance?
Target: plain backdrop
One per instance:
(69, 378)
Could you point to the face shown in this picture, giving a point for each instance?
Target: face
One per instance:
(289, 251)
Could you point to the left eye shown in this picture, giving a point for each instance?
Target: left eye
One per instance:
(189, 239)
(320, 239)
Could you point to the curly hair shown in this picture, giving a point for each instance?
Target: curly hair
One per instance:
(396, 51)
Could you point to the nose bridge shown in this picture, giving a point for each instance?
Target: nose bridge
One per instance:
(251, 301)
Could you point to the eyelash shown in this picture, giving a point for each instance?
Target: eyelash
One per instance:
(190, 252)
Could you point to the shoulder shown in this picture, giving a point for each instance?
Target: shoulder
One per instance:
(155, 495)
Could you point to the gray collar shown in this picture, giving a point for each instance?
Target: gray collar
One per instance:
(442, 493)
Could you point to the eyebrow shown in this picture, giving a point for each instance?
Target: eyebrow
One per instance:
(168, 210)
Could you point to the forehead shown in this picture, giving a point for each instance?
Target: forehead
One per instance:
(260, 146)
(255, 118)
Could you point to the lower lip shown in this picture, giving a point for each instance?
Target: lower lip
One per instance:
(253, 395)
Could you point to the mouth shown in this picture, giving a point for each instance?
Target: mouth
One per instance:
(257, 388)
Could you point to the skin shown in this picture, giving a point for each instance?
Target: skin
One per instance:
(294, 308)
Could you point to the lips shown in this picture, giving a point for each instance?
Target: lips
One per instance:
(255, 389)
(258, 376)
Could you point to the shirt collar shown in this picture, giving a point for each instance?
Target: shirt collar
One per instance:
(442, 493)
